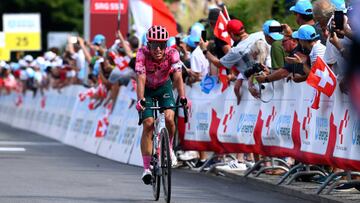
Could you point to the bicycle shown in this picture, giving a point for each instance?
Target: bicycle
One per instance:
(161, 159)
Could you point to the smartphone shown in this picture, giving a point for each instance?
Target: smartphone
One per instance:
(275, 29)
(339, 20)
(73, 39)
(203, 35)
(177, 41)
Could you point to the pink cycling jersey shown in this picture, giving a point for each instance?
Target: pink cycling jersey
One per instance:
(157, 73)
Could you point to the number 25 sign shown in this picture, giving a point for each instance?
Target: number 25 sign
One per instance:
(22, 32)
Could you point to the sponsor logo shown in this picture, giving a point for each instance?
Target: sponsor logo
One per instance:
(356, 133)
(166, 96)
(128, 138)
(203, 121)
(283, 126)
(87, 127)
(246, 124)
(322, 129)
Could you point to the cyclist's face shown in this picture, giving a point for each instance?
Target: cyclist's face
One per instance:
(157, 49)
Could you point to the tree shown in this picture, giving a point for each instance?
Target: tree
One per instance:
(56, 15)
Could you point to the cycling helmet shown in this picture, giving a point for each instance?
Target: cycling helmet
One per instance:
(157, 33)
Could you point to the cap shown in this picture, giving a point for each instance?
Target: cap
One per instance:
(49, 55)
(305, 32)
(234, 26)
(191, 41)
(339, 5)
(273, 35)
(14, 66)
(196, 29)
(2, 63)
(213, 14)
(98, 39)
(302, 7)
(28, 58)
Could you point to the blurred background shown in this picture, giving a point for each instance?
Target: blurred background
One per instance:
(61, 17)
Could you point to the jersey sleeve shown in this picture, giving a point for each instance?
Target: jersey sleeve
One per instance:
(140, 62)
(175, 60)
(230, 59)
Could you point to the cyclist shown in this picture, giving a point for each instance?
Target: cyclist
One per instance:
(155, 62)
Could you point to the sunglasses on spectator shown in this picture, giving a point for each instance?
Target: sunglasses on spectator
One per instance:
(155, 45)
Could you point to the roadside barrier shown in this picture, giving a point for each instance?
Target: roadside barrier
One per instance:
(284, 127)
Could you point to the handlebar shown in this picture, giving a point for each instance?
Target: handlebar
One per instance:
(162, 108)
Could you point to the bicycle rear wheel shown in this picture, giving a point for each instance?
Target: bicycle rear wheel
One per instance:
(155, 182)
(165, 164)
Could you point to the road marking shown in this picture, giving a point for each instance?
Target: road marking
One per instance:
(12, 149)
(22, 143)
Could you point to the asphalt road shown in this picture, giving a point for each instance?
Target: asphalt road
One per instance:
(37, 169)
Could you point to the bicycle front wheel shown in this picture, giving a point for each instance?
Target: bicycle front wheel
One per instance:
(155, 176)
(165, 164)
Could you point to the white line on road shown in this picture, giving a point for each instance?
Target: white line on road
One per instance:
(12, 143)
(12, 149)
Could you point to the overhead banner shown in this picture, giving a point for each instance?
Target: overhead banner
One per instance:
(23, 32)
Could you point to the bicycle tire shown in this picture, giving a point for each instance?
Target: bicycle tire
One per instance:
(155, 176)
(165, 164)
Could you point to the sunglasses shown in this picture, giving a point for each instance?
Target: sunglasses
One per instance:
(155, 45)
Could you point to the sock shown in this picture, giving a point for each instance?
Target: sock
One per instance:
(146, 161)
(171, 142)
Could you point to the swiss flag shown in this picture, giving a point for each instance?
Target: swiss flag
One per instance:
(322, 78)
(223, 78)
(43, 102)
(220, 30)
(122, 62)
(19, 100)
(101, 128)
(226, 14)
(315, 101)
(147, 13)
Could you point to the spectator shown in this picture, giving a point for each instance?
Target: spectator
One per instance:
(323, 11)
(311, 45)
(291, 47)
(303, 11)
(199, 65)
(77, 53)
(337, 47)
(274, 39)
(221, 47)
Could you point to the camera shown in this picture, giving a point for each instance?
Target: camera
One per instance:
(256, 68)
(275, 29)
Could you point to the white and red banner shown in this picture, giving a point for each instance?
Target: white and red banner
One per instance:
(147, 13)
(286, 126)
